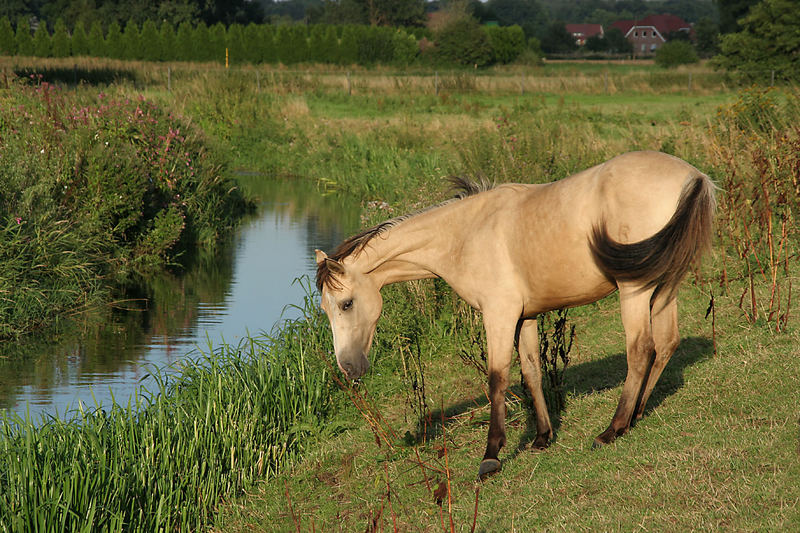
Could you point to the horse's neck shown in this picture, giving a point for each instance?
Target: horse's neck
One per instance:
(417, 248)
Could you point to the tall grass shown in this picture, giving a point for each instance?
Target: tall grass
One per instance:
(97, 188)
(166, 459)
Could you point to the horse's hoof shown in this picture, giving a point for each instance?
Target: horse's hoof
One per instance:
(606, 437)
(541, 442)
(488, 467)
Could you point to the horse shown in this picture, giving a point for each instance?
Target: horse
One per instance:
(632, 224)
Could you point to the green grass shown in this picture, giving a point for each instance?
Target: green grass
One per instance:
(166, 458)
(718, 448)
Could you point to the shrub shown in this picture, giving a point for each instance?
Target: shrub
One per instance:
(463, 42)
(675, 53)
(507, 42)
(97, 188)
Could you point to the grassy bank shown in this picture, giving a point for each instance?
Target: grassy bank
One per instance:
(719, 446)
(97, 188)
(717, 449)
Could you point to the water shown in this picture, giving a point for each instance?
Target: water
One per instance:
(244, 289)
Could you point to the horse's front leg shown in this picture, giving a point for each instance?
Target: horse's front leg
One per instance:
(500, 330)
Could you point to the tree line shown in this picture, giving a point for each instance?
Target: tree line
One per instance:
(460, 41)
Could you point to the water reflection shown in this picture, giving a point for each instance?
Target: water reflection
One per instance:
(244, 288)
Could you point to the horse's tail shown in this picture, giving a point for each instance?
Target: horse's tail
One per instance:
(662, 260)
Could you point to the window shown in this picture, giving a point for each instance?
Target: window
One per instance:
(636, 34)
(644, 34)
(653, 47)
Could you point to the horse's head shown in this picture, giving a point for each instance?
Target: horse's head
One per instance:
(352, 300)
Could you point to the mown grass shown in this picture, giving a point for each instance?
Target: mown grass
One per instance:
(718, 448)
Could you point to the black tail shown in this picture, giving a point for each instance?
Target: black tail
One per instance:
(662, 260)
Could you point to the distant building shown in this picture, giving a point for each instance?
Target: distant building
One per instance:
(647, 35)
(581, 32)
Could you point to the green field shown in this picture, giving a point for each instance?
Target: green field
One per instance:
(719, 447)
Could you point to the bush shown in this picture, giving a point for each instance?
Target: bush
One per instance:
(675, 53)
(507, 42)
(97, 188)
(463, 42)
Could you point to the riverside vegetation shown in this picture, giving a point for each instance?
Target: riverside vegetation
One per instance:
(719, 445)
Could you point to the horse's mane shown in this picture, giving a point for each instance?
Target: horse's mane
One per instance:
(462, 187)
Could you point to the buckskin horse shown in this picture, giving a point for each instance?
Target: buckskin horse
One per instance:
(634, 224)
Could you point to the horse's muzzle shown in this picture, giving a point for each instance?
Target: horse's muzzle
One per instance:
(354, 368)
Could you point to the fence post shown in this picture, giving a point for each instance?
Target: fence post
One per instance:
(436, 82)
(690, 81)
(772, 78)
(522, 85)
(349, 86)
(258, 81)
(605, 82)
(169, 79)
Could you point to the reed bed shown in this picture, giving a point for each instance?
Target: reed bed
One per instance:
(167, 458)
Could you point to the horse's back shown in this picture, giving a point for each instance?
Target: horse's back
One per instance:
(549, 226)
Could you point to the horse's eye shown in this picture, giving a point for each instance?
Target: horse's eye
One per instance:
(347, 305)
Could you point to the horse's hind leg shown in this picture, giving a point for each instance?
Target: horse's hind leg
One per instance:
(532, 371)
(635, 308)
(666, 337)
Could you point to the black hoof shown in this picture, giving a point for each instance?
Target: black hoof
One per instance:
(541, 442)
(488, 467)
(607, 437)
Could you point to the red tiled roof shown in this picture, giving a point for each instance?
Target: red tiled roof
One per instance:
(623, 25)
(665, 24)
(586, 30)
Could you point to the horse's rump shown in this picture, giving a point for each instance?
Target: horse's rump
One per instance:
(662, 260)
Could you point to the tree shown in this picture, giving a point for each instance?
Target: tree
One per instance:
(557, 40)
(374, 12)
(185, 43)
(60, 41)
(395, 12)
(23, 38)
(216, 42)
(706, 32)
(168, 41)
(97, 45)
(199, 47)
(115, 47)
(507, 42)
(131, 42)
(376, 45)
(292, 43)
(253, 51)
(528, 14)
(769, 41)
(730, 11)
(405, 48)
(674, 53)
(266, 43)
(237, 49)
(150, 42)
(80, 41)
(348, 45)
(463, 42)
(8, 46)
(42, 45)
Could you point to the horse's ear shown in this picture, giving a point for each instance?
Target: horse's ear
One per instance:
(334, 266)
(321, 256)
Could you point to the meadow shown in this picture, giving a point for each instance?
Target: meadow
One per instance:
(720, 442)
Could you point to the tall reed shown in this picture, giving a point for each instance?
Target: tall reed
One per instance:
(167, 458)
